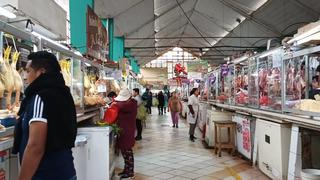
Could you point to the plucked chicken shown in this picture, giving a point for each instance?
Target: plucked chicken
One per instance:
(65, 70)
(18, 82)
(8, 76)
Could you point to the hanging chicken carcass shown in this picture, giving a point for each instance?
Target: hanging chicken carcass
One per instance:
(18, 82)
(8, 76)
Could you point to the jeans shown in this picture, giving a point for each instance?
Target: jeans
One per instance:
(160, 108)
(192, 129)
(139, 128)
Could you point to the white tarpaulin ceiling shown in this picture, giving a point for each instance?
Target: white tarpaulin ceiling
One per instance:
(219, 28)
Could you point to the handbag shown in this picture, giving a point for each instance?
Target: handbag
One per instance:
(111, 114)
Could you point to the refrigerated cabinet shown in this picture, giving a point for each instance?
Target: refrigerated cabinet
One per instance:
(301, 85)
(94, 153)
(213, 85)
(269, 79)
(226, 84)
(241, 83)
(253, 87)
(273, 142)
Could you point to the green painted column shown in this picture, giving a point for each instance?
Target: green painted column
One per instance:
(116, 44)
(110, 34)
(78, 18)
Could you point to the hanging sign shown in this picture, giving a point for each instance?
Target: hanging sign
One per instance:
(198, 66)
(97, 37)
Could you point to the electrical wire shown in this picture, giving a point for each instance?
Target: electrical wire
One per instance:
(185, 14)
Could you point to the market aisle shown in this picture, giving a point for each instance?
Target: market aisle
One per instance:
(167, 153)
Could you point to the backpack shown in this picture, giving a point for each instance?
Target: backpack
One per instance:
(142, 112)
(175, 105)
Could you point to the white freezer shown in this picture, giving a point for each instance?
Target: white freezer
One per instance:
(273, 148)
(94, 156)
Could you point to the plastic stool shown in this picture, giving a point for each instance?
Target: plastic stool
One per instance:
(218, 125)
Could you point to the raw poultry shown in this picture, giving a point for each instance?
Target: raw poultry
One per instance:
(18, 82)
(8, 77)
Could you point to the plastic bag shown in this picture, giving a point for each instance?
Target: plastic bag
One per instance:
(111, 114)
(142, 112)
(155, 102)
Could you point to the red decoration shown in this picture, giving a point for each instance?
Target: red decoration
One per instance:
(178, 69)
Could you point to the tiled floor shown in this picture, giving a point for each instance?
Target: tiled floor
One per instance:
(167, 153)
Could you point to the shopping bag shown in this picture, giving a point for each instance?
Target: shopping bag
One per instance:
(142, 112)
(111, 114)
(155, 102)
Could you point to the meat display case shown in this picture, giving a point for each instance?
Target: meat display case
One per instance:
(203, 87)
(213, 85)
(226, 86)
(269, 79)
(301, 91)
(241, 81)
(253, 87)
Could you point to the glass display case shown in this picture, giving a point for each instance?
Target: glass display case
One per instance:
(241, 83)
(203, 86)
(77, 83)
(226, 88)
(269, 80)
(213, 85)
(301, 82)
(253, 86)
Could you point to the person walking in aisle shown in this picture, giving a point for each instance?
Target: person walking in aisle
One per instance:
(47, 126)
(161, 102)
(126, 120)
(193, 110)
(166, 99)
(141, 114)
(146, 97)
(175, 107)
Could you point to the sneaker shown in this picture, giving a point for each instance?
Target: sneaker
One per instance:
(138, 138)
(173, 125)
(176, 126)
(125, 176)
(191, 139)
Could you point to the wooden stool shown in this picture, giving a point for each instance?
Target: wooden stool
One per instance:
(218, 125)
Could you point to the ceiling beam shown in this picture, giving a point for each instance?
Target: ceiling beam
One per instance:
(172, 22)
(127, 9)
(251, 17)
(152, 20)
(308, 9)
(214, 21)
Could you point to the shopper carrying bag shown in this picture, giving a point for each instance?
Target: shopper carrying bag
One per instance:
(126, 120)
